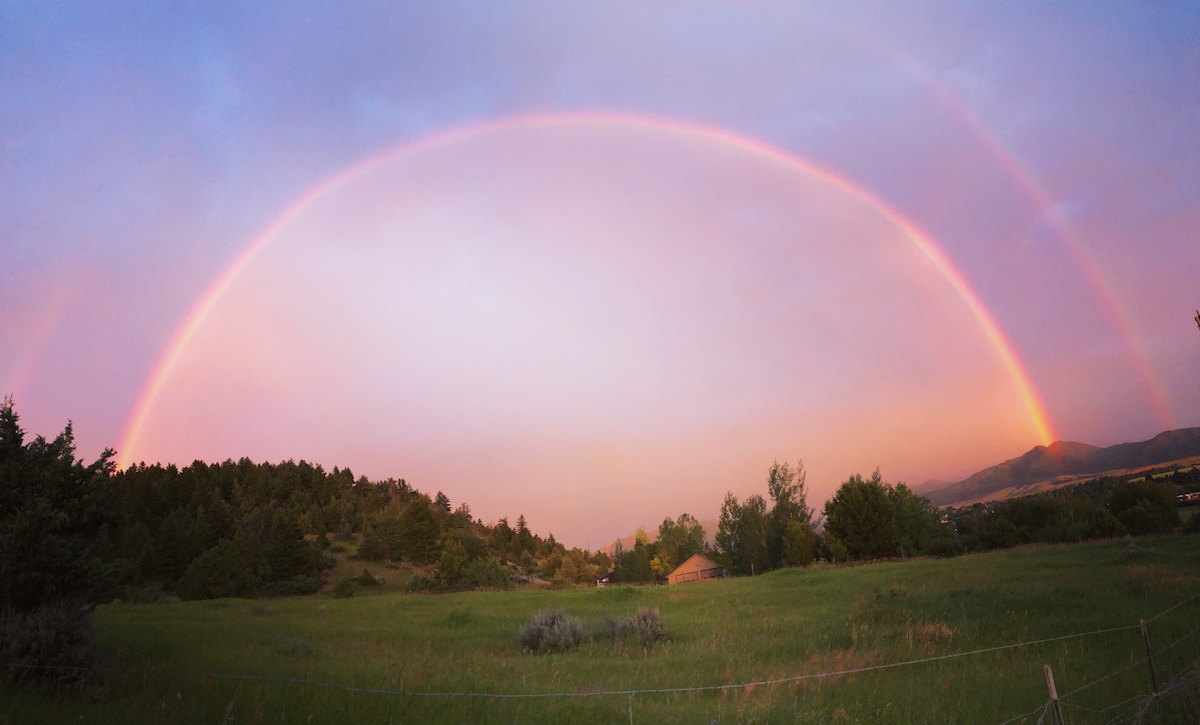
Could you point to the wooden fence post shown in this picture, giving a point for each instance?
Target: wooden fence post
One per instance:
(1058, 716)
(1150, 658)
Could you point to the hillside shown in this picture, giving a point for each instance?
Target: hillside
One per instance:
(1045, 464)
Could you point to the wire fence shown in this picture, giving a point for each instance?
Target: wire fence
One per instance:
(1133, 709)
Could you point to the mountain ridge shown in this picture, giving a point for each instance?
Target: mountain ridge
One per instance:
(1043, 464)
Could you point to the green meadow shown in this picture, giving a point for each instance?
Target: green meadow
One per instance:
(839, 636)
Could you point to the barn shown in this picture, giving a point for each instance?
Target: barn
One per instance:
(696, 568)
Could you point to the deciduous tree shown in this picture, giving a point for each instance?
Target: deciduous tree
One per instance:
(789, 503)
(861, 516)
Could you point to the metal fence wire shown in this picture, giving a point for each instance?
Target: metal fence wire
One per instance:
(1137, 709)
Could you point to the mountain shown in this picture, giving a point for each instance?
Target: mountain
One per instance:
(932, 484)
(1062, 461)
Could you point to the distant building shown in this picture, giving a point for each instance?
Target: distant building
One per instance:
(694, 569)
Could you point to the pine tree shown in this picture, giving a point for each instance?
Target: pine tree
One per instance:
(56, 515)
(524, 538)
(287, 553)
(420, 532)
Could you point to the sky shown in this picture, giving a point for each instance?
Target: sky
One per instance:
(599, 263)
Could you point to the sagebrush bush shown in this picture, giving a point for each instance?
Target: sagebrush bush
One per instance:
(52, 645)
(553, 631)
(647, 626)
(607, 629)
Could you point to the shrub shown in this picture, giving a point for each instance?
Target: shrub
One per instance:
(553, 631)
(647, 626)
(420, 583)
(52, 644)
(226, 570)
(293, 586)
(486, 574)
(607, 629)
(345, 589)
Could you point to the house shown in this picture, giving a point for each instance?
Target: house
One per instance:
(697, 567)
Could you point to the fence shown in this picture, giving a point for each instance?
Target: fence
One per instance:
(1069, 707)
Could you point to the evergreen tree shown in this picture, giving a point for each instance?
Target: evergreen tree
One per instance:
(288, 554)
(56, 516)
(177, 546)
(420, 532)
(501, 539)
(524, 538)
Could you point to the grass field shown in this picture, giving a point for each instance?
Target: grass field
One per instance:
(787, 624)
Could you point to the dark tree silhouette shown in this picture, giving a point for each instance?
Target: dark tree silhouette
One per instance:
(56, 517)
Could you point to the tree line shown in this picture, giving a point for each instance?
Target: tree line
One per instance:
(89, 533)
(869, 518)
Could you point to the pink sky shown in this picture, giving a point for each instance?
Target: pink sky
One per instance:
(601, 323)
(590, 322)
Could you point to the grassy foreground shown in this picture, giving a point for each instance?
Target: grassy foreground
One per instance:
(782, 625)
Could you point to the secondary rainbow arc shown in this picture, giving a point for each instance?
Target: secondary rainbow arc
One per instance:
(1098, 282)
(195, 318)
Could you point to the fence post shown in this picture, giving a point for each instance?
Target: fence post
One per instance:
(1058, 718)
(1150, 658)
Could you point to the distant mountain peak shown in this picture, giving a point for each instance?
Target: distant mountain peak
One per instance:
(1066, 458)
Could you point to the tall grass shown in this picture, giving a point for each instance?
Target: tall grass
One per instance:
(788, 624)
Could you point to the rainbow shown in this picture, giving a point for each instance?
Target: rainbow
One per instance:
(43, 329)
(1152, 388)
(208, 301)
